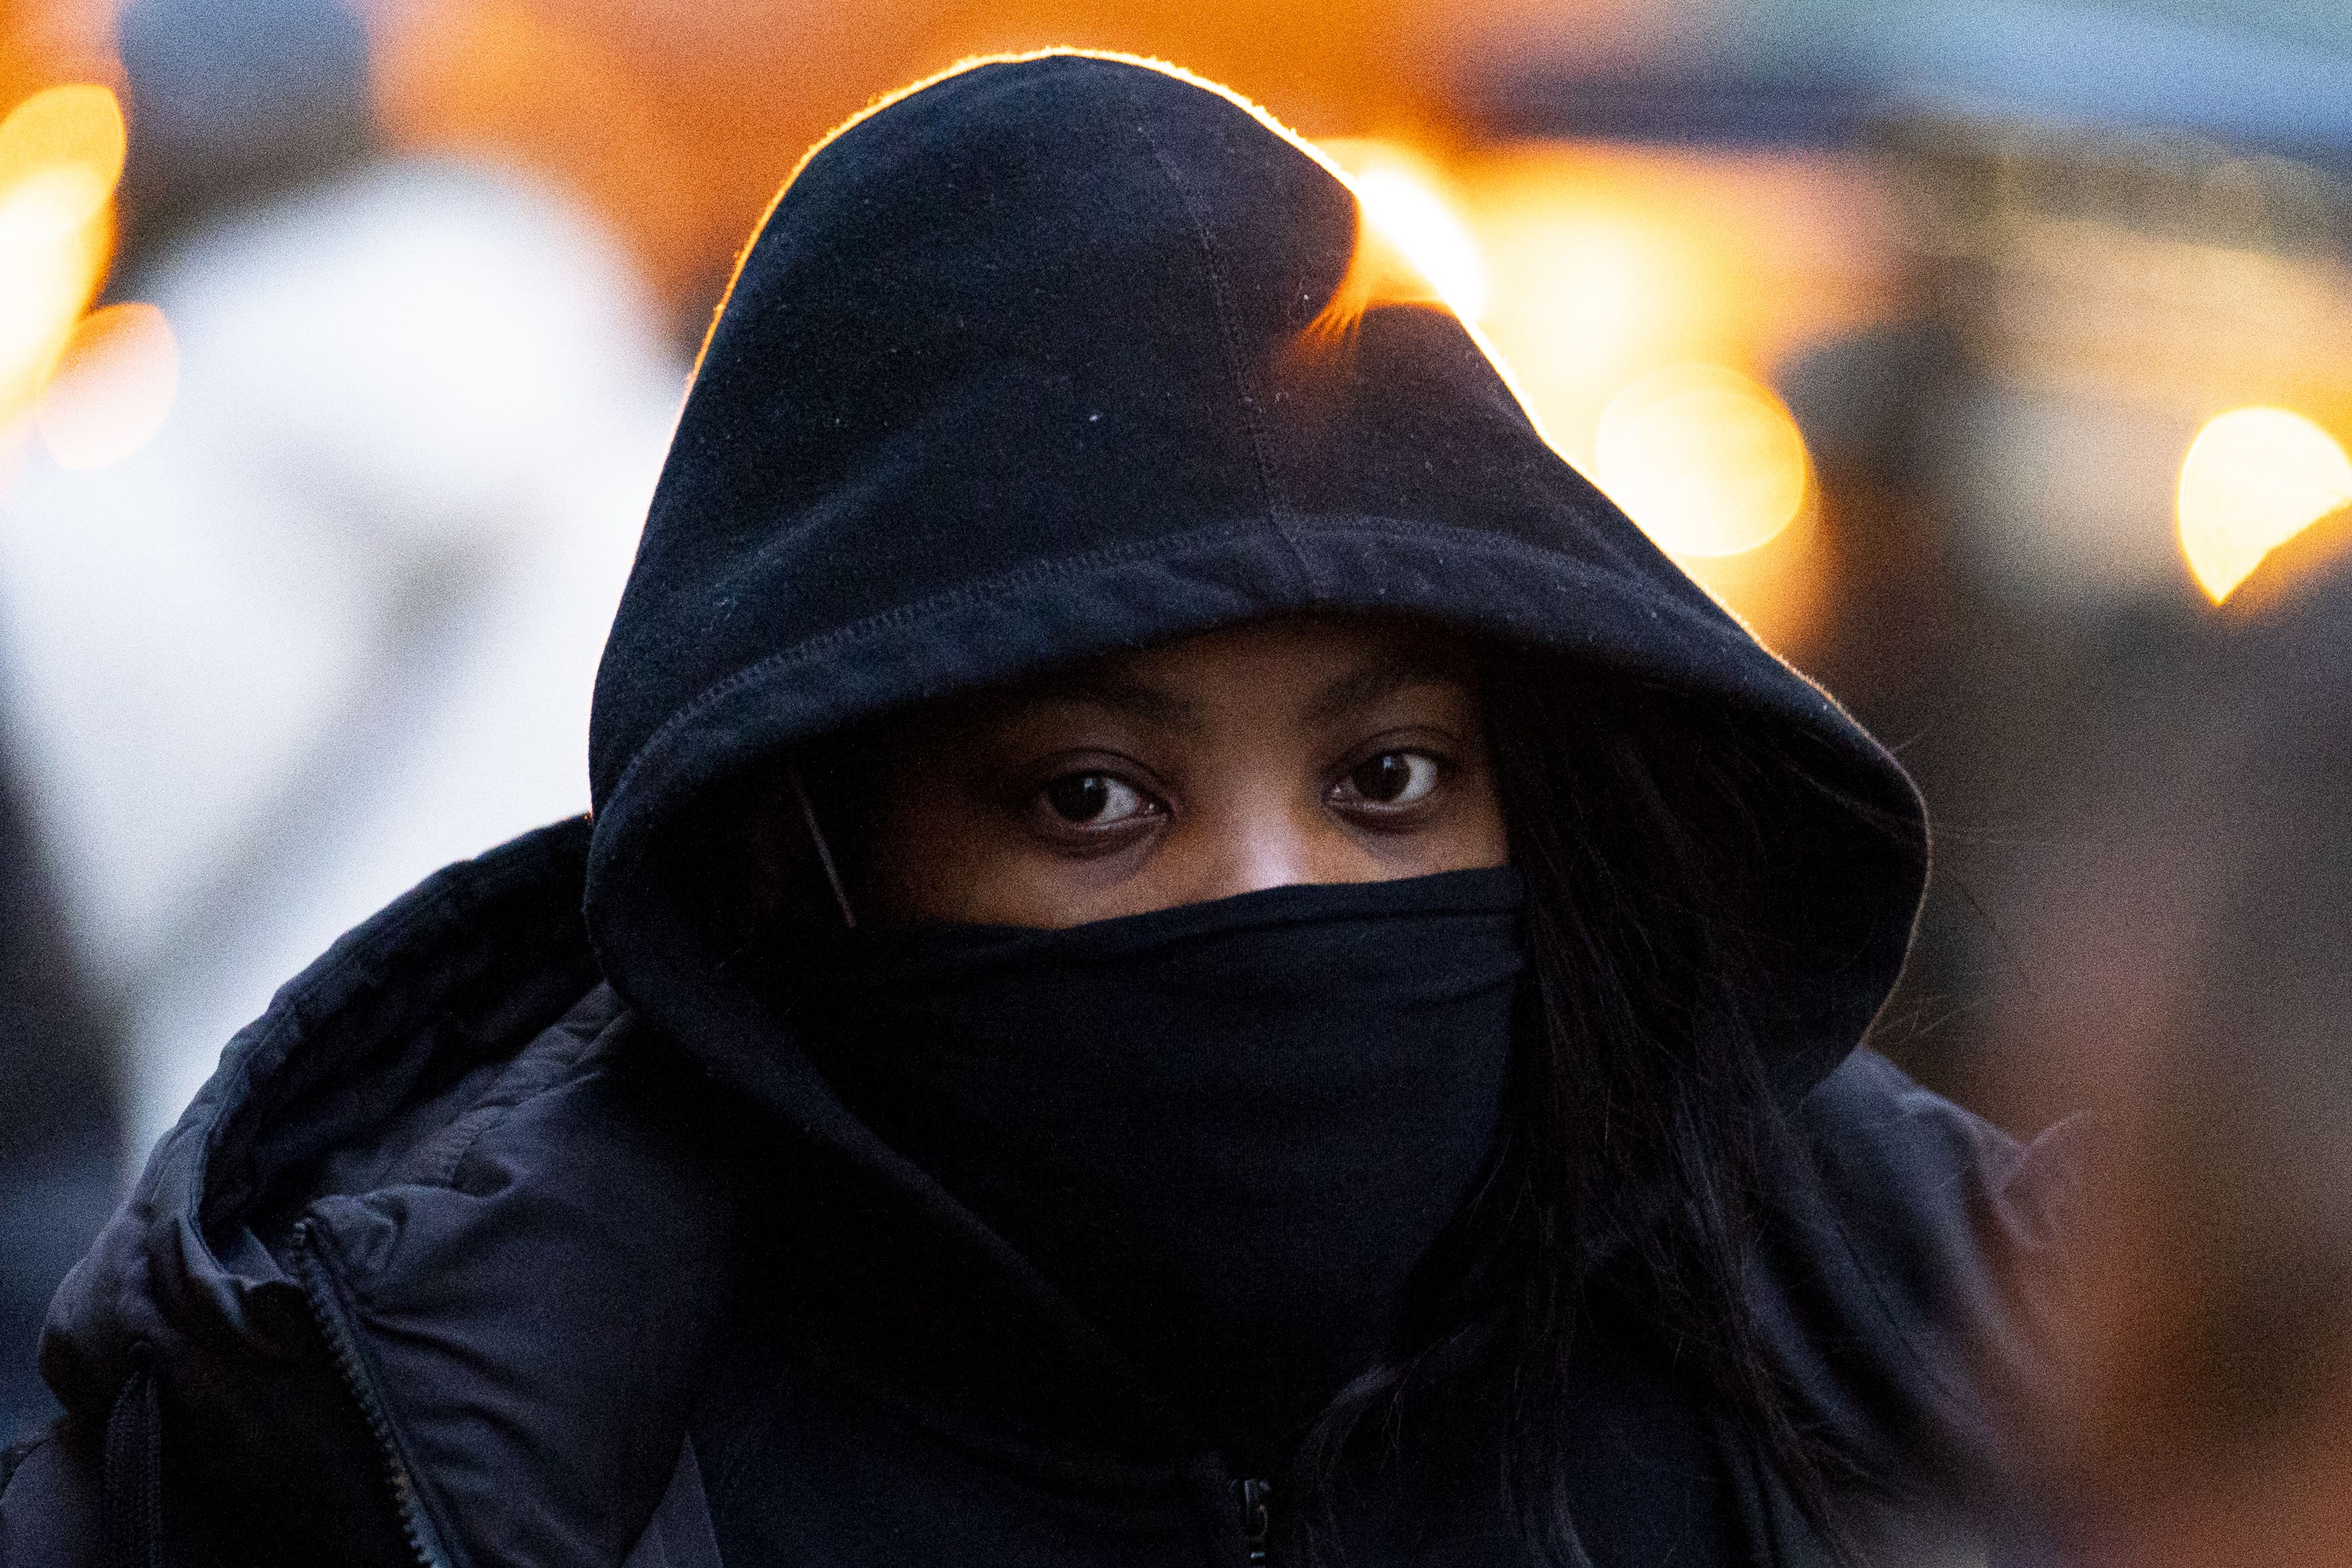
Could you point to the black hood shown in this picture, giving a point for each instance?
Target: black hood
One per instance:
(1025, 367)
(1017, 372)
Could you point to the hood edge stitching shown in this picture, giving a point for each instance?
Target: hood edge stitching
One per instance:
(1479, 541)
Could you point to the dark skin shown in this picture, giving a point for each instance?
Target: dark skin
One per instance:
(1302, 751)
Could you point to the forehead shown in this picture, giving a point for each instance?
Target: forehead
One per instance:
(1301, 667)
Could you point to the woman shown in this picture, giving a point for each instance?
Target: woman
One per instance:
(1192, 952)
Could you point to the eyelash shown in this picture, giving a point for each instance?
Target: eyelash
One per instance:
(1036, 805)
(1376, 816)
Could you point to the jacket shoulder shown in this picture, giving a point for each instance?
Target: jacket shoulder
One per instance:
(1923, 1283)
(1927, 1191)
(48, 1504)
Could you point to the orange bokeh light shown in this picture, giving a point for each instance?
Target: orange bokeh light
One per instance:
(2255, 479)
(60, 154)
(113, 388)
(1708, 461)
(1641, 298)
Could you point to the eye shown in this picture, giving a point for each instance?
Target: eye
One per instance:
(1392, 780)
(1096, 800)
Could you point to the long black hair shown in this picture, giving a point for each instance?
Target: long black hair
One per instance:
(1647, 1142)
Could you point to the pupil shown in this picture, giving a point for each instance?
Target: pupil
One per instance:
(1384, 778)
(1080, 797)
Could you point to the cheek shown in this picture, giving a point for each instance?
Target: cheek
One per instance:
(1222, 855)
(952, 860)
(1466, 838)
(926, 857)
(977, 887)
(1484, 838)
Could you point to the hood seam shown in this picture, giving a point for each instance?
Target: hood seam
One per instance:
(1228, 340)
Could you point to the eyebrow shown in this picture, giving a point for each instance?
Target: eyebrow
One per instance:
(1377, 678)
(1120, 694)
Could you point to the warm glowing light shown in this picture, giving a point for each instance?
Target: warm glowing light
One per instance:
(77, 126)
(1414, 247)
(2253, 479)
(113, 387)
(1706, 460)
(60, 154)
(1410, 215)
(1606, 262)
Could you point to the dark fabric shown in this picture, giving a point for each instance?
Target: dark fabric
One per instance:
(1018, 371)
(679, 1534)
(50, 1505)
(735, 1280)
(132, 1504)
(1227, 1132)
(817, 1461)
(521, 1212)
(420, 1273)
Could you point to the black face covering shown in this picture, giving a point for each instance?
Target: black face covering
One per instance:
(1228, 1130)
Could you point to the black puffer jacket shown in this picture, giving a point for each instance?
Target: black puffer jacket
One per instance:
(517, 1232)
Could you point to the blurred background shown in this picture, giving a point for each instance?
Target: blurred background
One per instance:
(1993, 360)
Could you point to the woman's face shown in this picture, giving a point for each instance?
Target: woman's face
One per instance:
(1287, 751)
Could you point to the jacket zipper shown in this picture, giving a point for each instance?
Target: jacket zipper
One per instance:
(1255, 1498)
(328, 1313)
